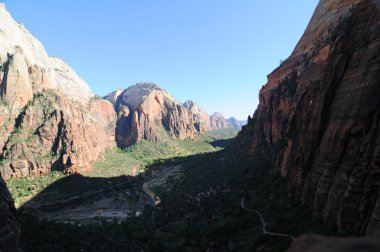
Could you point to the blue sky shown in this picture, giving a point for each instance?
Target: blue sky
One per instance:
(215, 52)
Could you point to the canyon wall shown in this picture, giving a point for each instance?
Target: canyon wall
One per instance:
(9, 226)
(204, 122)
(146, 111)
(49, 117)
(318, 119)
(52, 132)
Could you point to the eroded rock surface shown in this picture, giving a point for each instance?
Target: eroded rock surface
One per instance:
(219, 122)
(145, 111)
(201, 119)
(318, 119)
(204, 122)
(52, 132)
(26, 68)
(49, 117)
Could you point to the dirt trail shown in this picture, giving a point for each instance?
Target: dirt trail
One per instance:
(146, 189)
(160, 178)
(264, 224)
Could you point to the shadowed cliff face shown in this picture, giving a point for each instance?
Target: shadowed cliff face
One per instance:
(315, 243)
(9, 226)
(319, 117)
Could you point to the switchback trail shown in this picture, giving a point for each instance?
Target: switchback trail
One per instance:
(264, 224)
(150, 193)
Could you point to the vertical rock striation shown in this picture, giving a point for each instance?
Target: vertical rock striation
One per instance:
(201, 119)
(49, 117)
(204, 122)
(219, 122)
(52, 132)
(145, 111)
(318, 119)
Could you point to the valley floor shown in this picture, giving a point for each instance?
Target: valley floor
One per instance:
(190, 195)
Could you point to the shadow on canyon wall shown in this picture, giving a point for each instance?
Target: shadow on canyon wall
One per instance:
(202, 211)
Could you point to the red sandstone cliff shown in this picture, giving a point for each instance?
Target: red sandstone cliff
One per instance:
(318, 120)
(52, 132)
(49, 117)
(146, 111)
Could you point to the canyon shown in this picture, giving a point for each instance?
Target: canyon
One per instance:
(311, 149)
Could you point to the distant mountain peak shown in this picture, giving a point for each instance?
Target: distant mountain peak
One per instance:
(217, 115)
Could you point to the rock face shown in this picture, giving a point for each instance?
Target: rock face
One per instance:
(318, 120)
(112, 97)
(315, 243)
(52, 132)
(49, 117)
(145, 111)
(26, 68)
(9, 226)
(243, 122)
(219, 122)
(204, 122)
(201, 119)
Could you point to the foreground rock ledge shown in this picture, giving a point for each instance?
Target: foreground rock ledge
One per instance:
(316, 243)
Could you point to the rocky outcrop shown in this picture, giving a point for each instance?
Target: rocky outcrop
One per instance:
(219, 122)
(315, 243)
(52, 132)
(318, 120)
(201, 119)
(145, 111)
(112, 97)
(49, 117)
(25, 67)
(204, 122)
(9, 226)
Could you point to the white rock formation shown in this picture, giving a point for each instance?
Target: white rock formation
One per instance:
(34, 70)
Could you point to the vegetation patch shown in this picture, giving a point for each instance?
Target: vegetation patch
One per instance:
(200, 212)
